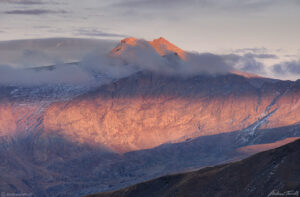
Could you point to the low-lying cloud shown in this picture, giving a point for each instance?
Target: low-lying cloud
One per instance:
(287, 68)
(261, 56)
(46, 61)
(30, 77)
(143, 57)
(44, 52)
(245, 63)
(95, 64)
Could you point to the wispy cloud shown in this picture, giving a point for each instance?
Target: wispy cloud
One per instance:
(34, 12)
(259, 50)
(220, 4)
(261, 56)
(97, 33)
(27, 2)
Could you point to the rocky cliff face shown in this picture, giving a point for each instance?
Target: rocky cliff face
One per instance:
(137, 127)
(146, 110)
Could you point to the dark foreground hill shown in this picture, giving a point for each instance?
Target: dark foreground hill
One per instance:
(270, 173)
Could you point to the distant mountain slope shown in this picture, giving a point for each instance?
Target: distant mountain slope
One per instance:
(147, 109)
(275, 170)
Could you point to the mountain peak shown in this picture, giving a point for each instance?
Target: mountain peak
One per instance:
(130, 40)
(160, 39)
(120, 48)
(164, 47)
(161, 45)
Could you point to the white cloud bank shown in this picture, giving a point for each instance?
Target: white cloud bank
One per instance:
(20, 61)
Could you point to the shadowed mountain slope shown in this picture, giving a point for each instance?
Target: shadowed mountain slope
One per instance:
(259, 175)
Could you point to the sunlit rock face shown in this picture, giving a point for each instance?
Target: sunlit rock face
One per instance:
(162, 46)
(288, 107)
(8, 123)
(146, 110)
